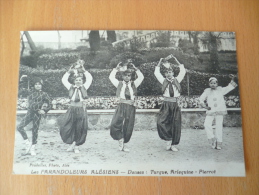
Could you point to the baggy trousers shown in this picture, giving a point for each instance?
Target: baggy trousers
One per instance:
(74, 126)
(35, 117)
(123, 122)
(169, 122)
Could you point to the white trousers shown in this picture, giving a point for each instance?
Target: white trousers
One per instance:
(219, 127)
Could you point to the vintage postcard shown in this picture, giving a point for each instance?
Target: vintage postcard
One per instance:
(128, 103)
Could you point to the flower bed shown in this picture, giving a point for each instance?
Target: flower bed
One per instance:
(143, 102)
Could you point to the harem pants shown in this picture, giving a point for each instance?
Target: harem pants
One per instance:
(169, 122)
(74, 125)
(123, 122)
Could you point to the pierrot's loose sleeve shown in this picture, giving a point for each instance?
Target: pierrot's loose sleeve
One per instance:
(232, 85)
(204, 96)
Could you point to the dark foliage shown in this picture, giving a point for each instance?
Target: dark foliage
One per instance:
(136, 58)
(102, 86)
(94, 40)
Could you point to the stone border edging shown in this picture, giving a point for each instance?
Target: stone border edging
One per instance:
(111, 111)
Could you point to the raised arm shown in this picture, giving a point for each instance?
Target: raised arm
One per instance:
(181, 73)
(232, 85)
(89, 79)
(65, 80)
(112, 78)
(140, 78)
(157, 72)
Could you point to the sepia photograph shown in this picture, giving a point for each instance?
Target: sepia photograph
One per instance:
(128, 103)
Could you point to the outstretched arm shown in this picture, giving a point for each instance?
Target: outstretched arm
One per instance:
(232, 85)
(157, 72)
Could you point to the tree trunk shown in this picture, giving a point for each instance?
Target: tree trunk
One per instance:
(194, 36)
(111, 36)
(59, 42)
(94, 40)
(23, 46)
(190, 36)
(168, 37)
(214, 57)
(30, 41)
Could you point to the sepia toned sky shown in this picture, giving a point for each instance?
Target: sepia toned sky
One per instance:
(52, 36)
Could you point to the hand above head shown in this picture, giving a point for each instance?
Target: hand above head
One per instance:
(70, 70)
(134, 67)
(176, 60)
(83, 68)
(160, 61)
(118, 65)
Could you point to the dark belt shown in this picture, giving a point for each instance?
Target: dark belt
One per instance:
(170, 99)
(130, 102)
(76, 104)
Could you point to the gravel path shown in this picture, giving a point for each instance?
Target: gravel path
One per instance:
(145, 147)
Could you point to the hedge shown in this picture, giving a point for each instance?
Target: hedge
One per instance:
(107, 59)
(33, 58)
(99, 59)
(154, 54)
(102, 86)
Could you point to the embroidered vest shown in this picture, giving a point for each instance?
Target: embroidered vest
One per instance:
(175, 83)
(118, 92)
(71, 92)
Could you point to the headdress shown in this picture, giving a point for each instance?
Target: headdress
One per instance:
(169, 67)
(213, 79)
(37, 80)
(130, 71)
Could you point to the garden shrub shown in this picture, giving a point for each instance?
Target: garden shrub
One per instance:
(57, 60)
(109, 58)
(136, 58)
(82, 48)
(99, 59)
(187, 46)
(102, 86)
(32, 59)
(154, 55)
(163, 40)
